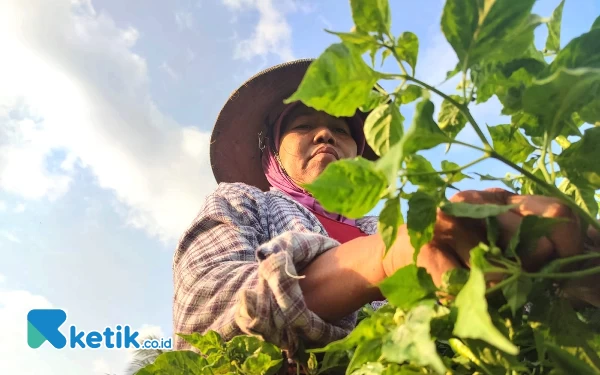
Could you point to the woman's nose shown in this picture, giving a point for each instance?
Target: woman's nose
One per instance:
(324, 135)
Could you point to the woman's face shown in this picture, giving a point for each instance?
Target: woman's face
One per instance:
(310, 140)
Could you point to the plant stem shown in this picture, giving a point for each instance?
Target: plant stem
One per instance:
(552, 190)
(464, 85)
(487, 152)
(459, 169)
(381, 90)
(502, 283)
(573, 259)
(542, 161)
(461, 107)
(551, 156)
(565, 275)
(395, 54)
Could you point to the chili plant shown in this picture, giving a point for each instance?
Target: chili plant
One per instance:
(522, 325)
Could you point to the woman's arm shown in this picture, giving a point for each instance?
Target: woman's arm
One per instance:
(230, 277)
(345, 278)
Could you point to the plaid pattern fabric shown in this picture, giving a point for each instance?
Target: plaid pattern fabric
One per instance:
(234, 269)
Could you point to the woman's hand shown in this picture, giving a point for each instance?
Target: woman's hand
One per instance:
(455, 237)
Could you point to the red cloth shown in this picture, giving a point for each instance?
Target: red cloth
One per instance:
(339, 231)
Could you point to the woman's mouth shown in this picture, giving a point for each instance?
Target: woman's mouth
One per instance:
(326, 150)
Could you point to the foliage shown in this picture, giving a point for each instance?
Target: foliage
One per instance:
(521, 325)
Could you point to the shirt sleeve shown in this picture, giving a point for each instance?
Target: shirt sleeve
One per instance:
(230, 277)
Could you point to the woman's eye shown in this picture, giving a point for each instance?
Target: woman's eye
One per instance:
(341, 130)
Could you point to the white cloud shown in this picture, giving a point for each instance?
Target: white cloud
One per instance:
(184, 20)
(2, 206)
(101, 367)
(19, 208)
(272, 34)
(10, 236)
(164, 66)
(73, 84)
(189, 55)
(2, 278)
(325, 22)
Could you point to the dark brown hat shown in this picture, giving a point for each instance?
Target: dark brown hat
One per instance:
(235, 153)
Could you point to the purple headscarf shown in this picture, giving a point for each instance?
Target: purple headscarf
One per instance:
(279, 179)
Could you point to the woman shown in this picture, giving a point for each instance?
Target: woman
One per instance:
(263, 257)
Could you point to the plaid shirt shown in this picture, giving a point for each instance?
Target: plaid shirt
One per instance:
(233, 269)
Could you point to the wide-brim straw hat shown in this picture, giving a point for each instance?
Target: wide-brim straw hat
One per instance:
(235, 152)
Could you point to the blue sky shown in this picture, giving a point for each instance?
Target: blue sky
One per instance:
(106, 109)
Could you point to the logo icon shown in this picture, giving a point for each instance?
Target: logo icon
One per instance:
(43, 325)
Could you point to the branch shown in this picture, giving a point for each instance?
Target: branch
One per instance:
(461, 107)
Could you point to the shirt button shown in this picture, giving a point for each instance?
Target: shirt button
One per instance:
(316, 229)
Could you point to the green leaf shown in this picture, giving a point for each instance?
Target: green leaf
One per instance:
(261, 364)
(591, 113)
(374, 327)
(454, 280)
(410, 94)
(512, 145)
(580, 52)
(244, 346)
(475, 211)
(407, 49)
(563, 142)
(383, 128)
(371, 16)
(219, 364)
(423, 133)
(510, 183)
(422, 212)
(580, 161)
(362, 41)
(450, 119)
(473, 320)
(374, 100)
(371, 368)
(208, 343)
(554, 99)
(582, 194)
(492, 29)
(390, 219)
(493, 360)
(452, 176)
(337, 82)
(553, 40)
(506, 80)
(516, 292)
(478, 257)
(567, 362)
(412, 342)
(313, 363)
(334, 359)
(421, 172)
(407, 286)
(389, 164)
(368, 351)
(176, 362)
(596, 24)
(351, 187)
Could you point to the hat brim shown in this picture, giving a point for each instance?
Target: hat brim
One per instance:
(235, 154)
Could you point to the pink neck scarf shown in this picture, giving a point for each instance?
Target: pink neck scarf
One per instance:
(280, 180)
